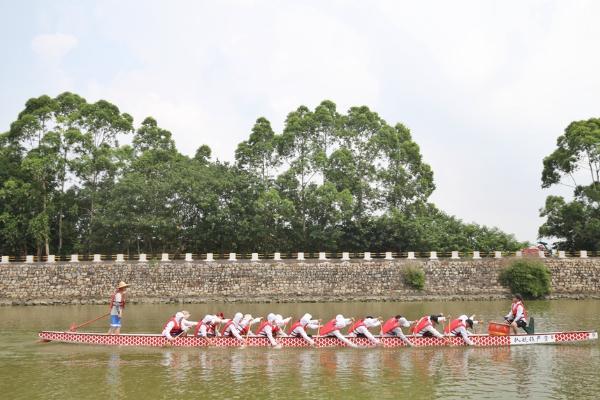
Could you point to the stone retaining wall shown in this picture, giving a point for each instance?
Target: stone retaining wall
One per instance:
(85, 283)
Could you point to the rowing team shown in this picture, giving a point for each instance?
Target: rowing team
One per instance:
(275, 326)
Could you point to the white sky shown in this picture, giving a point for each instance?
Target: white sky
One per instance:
(485, 86)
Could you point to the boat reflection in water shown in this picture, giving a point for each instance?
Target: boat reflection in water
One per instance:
(427, 371)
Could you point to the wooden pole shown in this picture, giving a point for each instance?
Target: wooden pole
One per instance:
(74, 327)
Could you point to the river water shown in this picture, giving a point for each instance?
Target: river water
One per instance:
(31, 370)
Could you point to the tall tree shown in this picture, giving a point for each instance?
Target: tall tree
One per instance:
(577, 156)
(33, 135)
(100, 125)
(257, 155)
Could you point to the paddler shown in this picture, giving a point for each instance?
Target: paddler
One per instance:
(208, 326)
(393, 327)
(269, 329)
(233, 328)
(332, 328)
(361, 327)
(517, 317)
(177, 325)
(117, 304)
(458, 327)
(299, 328)
(425, 326)
(282, 323)
(247, 323)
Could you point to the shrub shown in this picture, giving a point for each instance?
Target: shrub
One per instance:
(531, 278)
(414, 277)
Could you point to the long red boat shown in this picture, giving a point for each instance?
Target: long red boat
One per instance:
(154, 340)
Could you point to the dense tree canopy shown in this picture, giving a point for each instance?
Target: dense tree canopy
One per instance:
(577, 156)
(328, 182)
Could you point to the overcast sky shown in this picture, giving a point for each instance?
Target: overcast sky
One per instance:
(486, 87)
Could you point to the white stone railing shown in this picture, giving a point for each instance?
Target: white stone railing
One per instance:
(298, 256)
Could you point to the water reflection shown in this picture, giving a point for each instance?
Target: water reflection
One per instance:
(113, 376)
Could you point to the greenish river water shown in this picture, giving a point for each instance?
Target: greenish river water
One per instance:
(31, 370)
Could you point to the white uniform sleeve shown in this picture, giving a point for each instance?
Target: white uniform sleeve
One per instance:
(269, 332)
(167, 331)
(434, 332)
(401, 335)
(313, 325)
(235, 332)
(185, 324)
(302, 333)
(343, 339)
(465, 335)
(509, 316)
(202, 330)
(369, 335)
(343, 324)
(372, 323)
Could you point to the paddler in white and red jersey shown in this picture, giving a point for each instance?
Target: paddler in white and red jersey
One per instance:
(233, 328)
(425, 326)
(269, 329)
(208, 326)
(299, 328)
(177, 325)
(458, 327)
(361, 327)
(517, 317)
(393, 327)
(332, 328)
(282, 323)
(247, 323)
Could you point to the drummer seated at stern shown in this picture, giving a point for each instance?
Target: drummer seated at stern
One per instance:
(517, 317)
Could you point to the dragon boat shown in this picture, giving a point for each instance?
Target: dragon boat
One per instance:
(155, 340)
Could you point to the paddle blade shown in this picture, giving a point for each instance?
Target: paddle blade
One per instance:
(73, 327)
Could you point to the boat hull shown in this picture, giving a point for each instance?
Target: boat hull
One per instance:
(151, 340)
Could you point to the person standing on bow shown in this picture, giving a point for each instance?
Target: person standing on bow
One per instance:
(299, 328)
(393, 327)
(117, 304)
(517, 317)
(458, 327)
(332, 328)
(425, 326)
(177, 325)
(361, 329)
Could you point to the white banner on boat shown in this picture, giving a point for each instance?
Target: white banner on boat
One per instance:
(532, 339)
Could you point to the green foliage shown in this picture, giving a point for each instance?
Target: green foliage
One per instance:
(414, 276)
(530, 278)
(577, 223)
(330, 181)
